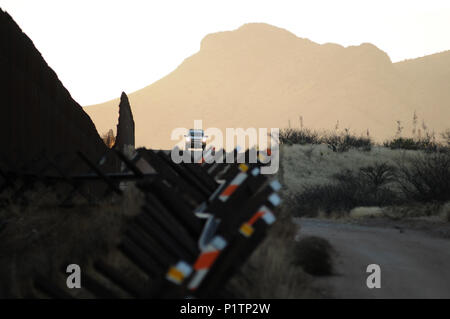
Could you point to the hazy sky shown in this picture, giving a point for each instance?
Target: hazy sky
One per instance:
(100, 48)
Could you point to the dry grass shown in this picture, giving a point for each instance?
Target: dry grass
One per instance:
(336, 140)
(40, 238)
(315, 255)
(332, 184)
(433, 211)
(310, 165)
(426, 177)
(271, 272)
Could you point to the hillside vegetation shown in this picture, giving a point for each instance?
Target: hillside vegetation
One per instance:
(323, 182)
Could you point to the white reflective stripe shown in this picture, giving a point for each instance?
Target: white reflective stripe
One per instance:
(184, 268)
(239, 179)
(236, 181)
(217, 191)
(201, 207)
(219, 242)
(202, 215)
(275, 199)
(208, 232)
(209, 248)
(197, 279)
(264, 209)
(275, 184)
(269, 218)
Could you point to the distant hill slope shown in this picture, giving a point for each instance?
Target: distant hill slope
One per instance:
(427, 79)
(264, 76)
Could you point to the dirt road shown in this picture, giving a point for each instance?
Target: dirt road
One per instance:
(413, 264)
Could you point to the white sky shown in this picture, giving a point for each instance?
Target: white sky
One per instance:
(100, 48)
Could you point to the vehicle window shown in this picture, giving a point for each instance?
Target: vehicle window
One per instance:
(196, 133)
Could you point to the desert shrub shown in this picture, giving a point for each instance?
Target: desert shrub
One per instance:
(426, 178)
(314, 255)
(422, 138)
(401, 143)
(326, 198)
(446, 137)
(345, 141)
(426, 143)
(299, 136)
(379, 174)
(338, 142)
(369, 186)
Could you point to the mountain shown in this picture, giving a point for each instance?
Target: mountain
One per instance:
(427, 79)
(263, 76)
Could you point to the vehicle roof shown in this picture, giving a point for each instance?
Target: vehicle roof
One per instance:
(195, 131)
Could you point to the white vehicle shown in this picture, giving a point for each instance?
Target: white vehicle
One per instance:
(195, 139)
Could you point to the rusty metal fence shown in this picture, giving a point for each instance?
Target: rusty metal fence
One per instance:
(199, 223)
(37, 113)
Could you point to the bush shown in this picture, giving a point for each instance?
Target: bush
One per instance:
(378, 175)
(427, 144)
(299, 136)
(345, 141)
(335, 141)
(422, 138)
(314, 255)
(367, 187)
(446, 137)
(402, 143)
(427, 178)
